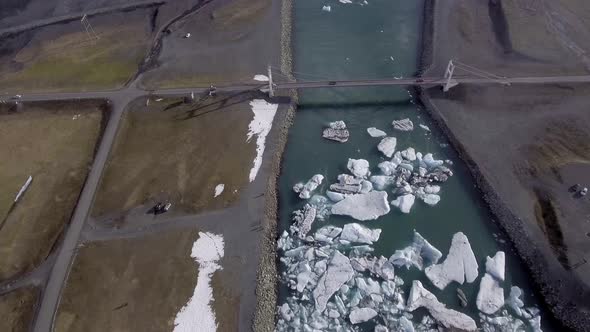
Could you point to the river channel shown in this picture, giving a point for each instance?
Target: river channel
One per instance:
(380, 39)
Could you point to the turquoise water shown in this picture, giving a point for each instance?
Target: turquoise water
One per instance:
(381, 40)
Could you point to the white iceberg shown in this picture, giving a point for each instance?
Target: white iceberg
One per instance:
(430, 162)
(327, 8)
(425, 127)
(387, 167)
(335, 196)
(419, 254)
(381, 182)
(327, 233)
(490, 297)
(514, 300)
(357, 233)
(337, 132)
(387, 146)
(431, 199)
(361, 315)
(409, 154)
(404, 202)
(496, 266)
(311, 185)
(420, 297)
(338, 272)
(358, 167)
(374, 132)
(363, 207)
(460, 264)
(403, 125)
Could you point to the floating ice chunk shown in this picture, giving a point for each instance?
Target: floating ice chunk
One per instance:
(219, 189)
(432, 189)
(535, 324)
(381, 328)
(261, 78)
(286, 312)
(322, 205)
(285, 242)
(425, 127)
(359, 234)
(327, 8)
(334, 196)
(361, 315)
(409, 154)
(405, 325)
(366, 187)
(431, 199)
(419, 254)
(337, 132)
(404, 202)
(420, 297)
(495, 266)
(363, 207)
(311, 185)
(514, 301)
(387, 167)
(305, 218)
(358, 167)
(374, 132)
(387, 146)
(431, 162)
(460, 264)
(381, 182)
(304, 277)
(345, 1)
(338, 272)
(327, 233)
(260, 126)
(490, 297)
(403, 125)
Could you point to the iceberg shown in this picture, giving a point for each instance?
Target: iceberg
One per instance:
(337, 132)
(387, 167)
(327, 8)
(387, 146)
(404, 202)
(495, 266)
(327, 233)
(311, 185)
(514, 300)
(381, 182)
(357, 233)
(431, 199)
(338, 272)
(425, 127)
(403, 125)
(420, 297)
(420, 253)
(460, 264)
(369, 206)
(490, 297)
(374, 132)
(409, 154)
(304, 218)
(335, 196)
(361, 315)
(358, 167)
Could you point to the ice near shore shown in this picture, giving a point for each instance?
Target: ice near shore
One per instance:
(260, 126)
(460, 264)
(374, 132)
(197, 314)
(387, 146)
(305, 190)
(403, 125)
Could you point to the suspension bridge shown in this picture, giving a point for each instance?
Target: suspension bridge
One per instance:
(456, 73)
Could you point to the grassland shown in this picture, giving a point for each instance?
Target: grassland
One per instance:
(179, 152)
(55, 144)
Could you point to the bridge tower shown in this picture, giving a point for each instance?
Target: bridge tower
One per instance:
(450, 82)
(271, 92)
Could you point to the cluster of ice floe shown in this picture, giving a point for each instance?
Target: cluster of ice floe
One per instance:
(336, 282)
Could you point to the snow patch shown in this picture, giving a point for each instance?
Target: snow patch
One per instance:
(260, 126)
(219, 189)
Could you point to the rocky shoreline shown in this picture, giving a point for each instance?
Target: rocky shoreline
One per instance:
(267, 275)
(566, 313)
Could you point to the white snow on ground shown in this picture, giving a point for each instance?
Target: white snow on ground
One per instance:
(261, 78)
(219, 189)
(197, 314)
(260, 126)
